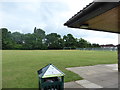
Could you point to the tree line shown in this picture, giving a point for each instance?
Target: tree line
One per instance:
(38, 40)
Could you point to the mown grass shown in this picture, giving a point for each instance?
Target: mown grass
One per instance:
(20, 66)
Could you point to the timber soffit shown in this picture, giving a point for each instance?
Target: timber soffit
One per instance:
(90, 11)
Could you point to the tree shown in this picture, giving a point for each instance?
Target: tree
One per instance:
(17, 37)
(83, 43)
(29, 41)
(40, 39)
(0, 39)
(94, 45)
(54, 41)
(7, 42)
(39, 33)
(69, 41)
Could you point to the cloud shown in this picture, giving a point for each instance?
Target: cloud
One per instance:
(102, 40)
(49, 15)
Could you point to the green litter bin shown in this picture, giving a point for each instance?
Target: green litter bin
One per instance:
(51, 78)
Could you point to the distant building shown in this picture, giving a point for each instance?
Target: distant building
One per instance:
(109, 47)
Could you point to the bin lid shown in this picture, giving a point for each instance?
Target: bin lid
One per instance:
(50, 71)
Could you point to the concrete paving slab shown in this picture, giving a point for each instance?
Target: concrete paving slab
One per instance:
(105, 75)
(113, 86)
(81, 82)
(92, 85)
(88, 84)
(105, 84)
(72, 85)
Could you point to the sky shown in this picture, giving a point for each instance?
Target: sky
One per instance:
(49, 15)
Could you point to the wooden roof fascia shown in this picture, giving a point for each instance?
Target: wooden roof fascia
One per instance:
(91, 11)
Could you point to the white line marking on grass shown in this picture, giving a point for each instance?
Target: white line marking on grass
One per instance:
(88, 84)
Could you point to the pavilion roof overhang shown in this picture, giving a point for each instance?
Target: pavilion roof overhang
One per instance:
(99, 16)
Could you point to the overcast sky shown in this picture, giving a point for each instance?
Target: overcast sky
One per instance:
(49, 15)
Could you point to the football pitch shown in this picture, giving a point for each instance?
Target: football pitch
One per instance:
(19, 67)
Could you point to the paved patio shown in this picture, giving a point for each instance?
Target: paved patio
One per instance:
(97, 76)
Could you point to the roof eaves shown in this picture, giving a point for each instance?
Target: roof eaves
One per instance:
(92, 7)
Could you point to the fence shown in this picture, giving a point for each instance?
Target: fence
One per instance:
(100, 49)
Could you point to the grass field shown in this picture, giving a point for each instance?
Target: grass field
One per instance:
(20, 66)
